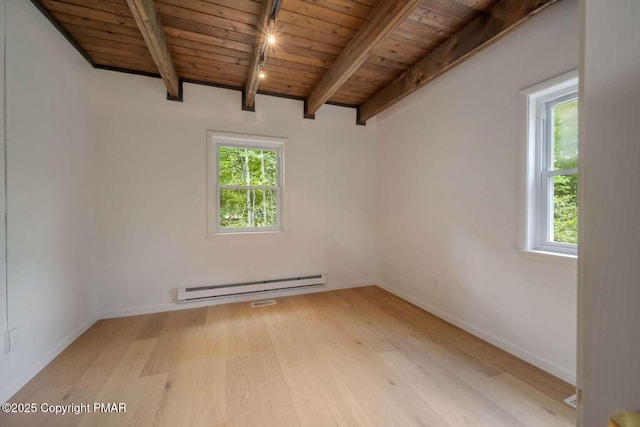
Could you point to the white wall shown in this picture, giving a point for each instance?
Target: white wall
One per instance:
(448, 181)
(152, 193)
(609, 272)
(51, 206)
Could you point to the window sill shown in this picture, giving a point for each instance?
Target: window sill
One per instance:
(249, 235)
(566, 260)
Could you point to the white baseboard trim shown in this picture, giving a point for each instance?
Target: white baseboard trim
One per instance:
(527, 356)
(135, 311)
(23, 379)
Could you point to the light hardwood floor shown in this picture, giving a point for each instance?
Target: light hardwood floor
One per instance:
(353, 357)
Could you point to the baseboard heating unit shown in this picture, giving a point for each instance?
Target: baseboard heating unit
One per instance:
(200, 293)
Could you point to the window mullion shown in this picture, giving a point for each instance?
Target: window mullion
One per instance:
(558, 172)
(248, 187)
(546, 209)
(546, 231)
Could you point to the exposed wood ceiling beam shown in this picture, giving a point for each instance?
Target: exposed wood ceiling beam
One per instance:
(260, 50)
(149, 24)
(384, 19)
(480, 33)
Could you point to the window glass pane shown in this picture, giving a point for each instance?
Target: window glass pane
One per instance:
(231, 166)
(565, 208)
(270, 168)
(265, 206)
(248, 208)
(565, 134)
(247, 166)
(233, 208)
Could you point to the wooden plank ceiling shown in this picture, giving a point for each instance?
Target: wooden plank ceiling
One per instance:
(323, 50)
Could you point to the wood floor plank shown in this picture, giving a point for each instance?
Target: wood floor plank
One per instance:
(355, 357)
(40, 418)
(360, 342)
(153, 326)
(359, 368)
(111, 339)
(183, 370)
(322, 367)
(127, 370)
(311, 407)
(167, 349)
(209, 403)
(237, 343)
(360, 364)
(436, 385)
(243, 408)
(527, 404)
(144, 406)
(278, 408)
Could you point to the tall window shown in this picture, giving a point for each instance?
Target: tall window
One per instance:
(552, 165)
(245, 183)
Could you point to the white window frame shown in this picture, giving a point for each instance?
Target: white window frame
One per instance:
(536, 101)
(214, 141)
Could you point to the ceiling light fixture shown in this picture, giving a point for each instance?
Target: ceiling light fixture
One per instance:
(267, 42)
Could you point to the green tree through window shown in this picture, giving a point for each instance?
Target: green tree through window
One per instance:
(565, 157)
